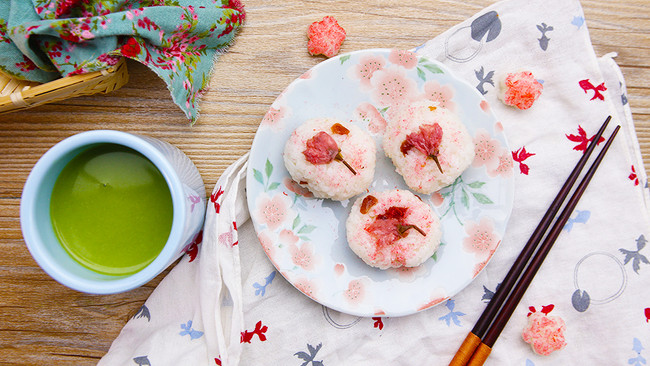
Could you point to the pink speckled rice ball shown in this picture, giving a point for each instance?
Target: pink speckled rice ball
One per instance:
(519, 89)
(331, 158)
(393, 229)
(545, 333)
(437, 129)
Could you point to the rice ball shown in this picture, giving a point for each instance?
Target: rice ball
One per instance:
(429, 146)
(519, 89)
(393, 229)
(331, 158)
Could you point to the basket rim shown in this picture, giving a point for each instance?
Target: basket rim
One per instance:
(67, 81)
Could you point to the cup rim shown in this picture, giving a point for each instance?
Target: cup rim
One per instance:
(119, 284)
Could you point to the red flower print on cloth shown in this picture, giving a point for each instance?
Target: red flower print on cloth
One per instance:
(520, 156)
(406, 59)
(325, 37)
(247, 336)
(368, 113)
(481, 238)
(378, 322)
(545, 309)
(192, 249)
(543, 332)
(228, 238)
(647, 315)
(442, 94)
(214, 197)
(367, 67)
(108, 59)
(586, 85)
(582, 139)
(633, 177)
(26, 65)
(392, 87)
(131, 48)
(272, 211)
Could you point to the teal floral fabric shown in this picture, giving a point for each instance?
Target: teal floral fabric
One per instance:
(42, 40)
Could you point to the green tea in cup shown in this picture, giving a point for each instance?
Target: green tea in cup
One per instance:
(107, 211)
(111, 209)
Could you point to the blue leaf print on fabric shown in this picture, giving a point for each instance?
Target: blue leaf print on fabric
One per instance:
(142, 361)
(309, 357)
(487, 24)
(529, 363)
(638, 360)
(187, 330)
(483, 79)
(143, 312)
(635, 256)
(578, 21)
(452, 316)
(489, 294)
(580, 300)
(581, 217)
(543, 40)
(261, 289)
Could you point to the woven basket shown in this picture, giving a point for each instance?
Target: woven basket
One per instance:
(19, 94)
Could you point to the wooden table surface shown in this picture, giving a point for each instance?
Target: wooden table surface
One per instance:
(43, 321)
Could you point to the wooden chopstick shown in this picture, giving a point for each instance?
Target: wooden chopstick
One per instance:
(493, 332)
(473, 339)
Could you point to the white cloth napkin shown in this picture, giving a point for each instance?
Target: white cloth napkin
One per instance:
(228, 305)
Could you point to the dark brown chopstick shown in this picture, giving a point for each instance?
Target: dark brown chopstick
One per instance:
(474, 338)
(493, 332)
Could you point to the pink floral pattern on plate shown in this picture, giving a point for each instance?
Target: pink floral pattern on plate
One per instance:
(481, 238)
(272, 211)
(305, 237)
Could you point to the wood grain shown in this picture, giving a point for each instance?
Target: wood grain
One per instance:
(43, 321)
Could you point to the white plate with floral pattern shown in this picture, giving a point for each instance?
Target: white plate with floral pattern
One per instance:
(305, 237)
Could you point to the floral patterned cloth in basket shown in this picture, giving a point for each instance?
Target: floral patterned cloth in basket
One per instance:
(42, 40)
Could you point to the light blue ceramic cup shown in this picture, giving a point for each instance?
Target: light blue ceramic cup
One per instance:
(188, 199)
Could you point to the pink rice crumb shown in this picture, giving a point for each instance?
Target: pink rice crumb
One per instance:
(325, 37)
(545, 333)
(521, 89)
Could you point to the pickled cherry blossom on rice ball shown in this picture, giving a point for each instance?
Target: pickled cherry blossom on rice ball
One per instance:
(331, 158)
(429, 146)
(393, 229)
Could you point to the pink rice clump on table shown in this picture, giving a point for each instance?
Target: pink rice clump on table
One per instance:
(325, 37)
(520, 89)
(377, 241)
(545, 333)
